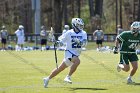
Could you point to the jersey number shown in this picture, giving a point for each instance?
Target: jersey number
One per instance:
(75, 45)
(133, 45)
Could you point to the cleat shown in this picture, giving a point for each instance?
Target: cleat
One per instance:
(46, 81)
(119, 67)
(129, 81)
(68, 79)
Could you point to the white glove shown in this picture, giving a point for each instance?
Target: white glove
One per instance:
(77, 40)
(58, 43)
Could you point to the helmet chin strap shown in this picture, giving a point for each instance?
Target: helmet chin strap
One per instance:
(135, 33)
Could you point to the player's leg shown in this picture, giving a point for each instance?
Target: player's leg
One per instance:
(22, 43)
(57, 71)
(43, 43)
(132, 72)
(54, 73)
(2, 43)
(134, 68)
(97, 43)
(5, 44)
(133, 59)
(101, 43)
(19, 42)
(75, 63)
(124, 63)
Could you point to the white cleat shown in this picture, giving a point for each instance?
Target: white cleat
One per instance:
(46, 81)
(119, 67)
(68, 79)
(129, 81)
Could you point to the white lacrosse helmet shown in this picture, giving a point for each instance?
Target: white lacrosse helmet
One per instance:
(66, 27)
(77, 23)
(20, 27)
(135, 27)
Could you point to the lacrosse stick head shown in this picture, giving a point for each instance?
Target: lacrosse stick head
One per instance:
(51, 35)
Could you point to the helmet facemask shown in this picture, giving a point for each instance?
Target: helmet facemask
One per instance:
(135, 30)
(77, 24)
(135, 27)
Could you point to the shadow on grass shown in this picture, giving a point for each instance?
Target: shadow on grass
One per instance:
(73, 89)
(137, 84)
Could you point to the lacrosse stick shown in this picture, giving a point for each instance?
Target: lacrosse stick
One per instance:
(55, 55)
(54, 47)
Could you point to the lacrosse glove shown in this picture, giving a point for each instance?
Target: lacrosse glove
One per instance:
(58, 43)
(77, 41)
(115, 50)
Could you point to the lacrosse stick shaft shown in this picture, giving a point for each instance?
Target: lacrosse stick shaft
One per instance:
(55, 55)
(54, 41)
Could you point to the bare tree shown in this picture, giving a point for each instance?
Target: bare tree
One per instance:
(79, 8)
(58, 15)
(91, 8)
(138, 18)
(65, 12)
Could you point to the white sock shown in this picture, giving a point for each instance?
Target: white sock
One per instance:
(48, 78)
(129, 76)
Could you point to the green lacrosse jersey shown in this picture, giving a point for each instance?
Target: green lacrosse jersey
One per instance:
(128, 42)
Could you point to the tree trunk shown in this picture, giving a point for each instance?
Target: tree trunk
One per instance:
(91, 8)
(121, 13)
(98, 7)
(65, 12)
(79, 8)
(138, 18)
(57, 16)
(116, 14)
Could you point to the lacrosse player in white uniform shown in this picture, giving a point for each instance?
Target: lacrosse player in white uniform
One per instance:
(74, 39)
(20, 37)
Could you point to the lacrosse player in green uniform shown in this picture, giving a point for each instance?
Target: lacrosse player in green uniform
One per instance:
(127, 42)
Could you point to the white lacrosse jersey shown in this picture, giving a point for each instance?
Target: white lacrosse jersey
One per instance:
(20, 36)
(71, 45)
(20, 33)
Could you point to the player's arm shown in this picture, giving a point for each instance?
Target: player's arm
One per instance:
(102, 35)
(0, 34)
(119, 39)
(62, 39)
(41, 33)
(115, 49)
(84, 41)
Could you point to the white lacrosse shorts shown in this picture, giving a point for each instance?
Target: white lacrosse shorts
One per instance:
(66, 58)
(20, 40)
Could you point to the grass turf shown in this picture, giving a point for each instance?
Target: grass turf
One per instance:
(22, 72)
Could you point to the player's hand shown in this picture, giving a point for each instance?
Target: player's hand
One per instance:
(115, 50)
(58, 43)
(77, 40)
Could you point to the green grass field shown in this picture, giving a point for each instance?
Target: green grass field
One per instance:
(23, 72)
